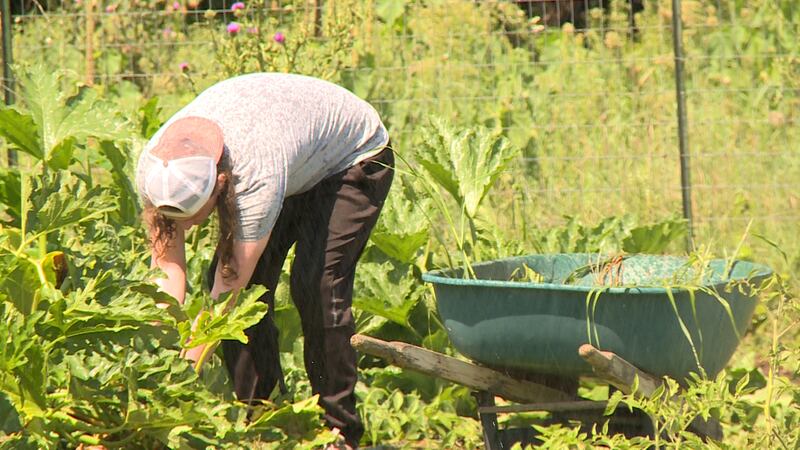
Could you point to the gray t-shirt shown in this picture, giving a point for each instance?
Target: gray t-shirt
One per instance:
(285, 133)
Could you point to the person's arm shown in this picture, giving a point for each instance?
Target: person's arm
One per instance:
(171, 259)
(246, 256)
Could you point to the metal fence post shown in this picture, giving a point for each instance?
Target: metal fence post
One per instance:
(683, 138)
(8, 76)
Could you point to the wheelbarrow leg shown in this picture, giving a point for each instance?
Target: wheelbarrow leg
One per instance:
(491, 436)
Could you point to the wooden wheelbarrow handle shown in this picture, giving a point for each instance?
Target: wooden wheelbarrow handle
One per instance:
(621, 374)
(409, 356)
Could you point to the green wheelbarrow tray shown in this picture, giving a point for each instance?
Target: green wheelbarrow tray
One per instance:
(648, 317)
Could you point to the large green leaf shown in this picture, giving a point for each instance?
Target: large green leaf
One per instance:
(127, 198)
(435, 156)
(9, 418)
(402, 229)
(21, 131)
(61, 155)
(32, 384)
(287, 319)
(150, 118)
(21, 283)
(465, 163)
(390, 10)
(68, 205)
(59, 115)
(656, 237)
(10, 192)
(385, 296)
(22, 363)
(479, 156)
(300, 419)
(400, 246)
(227, 323)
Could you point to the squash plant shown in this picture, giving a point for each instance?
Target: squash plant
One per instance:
(86, 357)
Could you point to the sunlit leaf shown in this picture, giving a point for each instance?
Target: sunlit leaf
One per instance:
(300, 419)
(59, 115)
(54, 267)
(435, 156)
(150, 118)
(10, 192)
(384, 296)
(655, 238)
(20, 283)
(61, 155)
(32, 383)
(465, 163)
(68, 205)
(247, 311)
(400, 246)
(20, 130)
(402, 229)
(390, 10)
(128, 197)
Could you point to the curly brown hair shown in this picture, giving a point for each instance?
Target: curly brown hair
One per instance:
(162, 228)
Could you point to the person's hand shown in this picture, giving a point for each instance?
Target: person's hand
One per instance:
(340, 443)
(193, 354)
(200, 354)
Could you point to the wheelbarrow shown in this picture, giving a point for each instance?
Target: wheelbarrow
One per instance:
(524, 321)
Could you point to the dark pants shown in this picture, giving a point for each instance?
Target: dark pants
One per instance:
(330, 225)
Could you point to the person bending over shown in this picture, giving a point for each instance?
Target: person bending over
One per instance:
(284, 160)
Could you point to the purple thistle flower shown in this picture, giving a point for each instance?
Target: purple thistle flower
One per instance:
(111, 8)
(279, 37)
(183, 66)
(176, 6)
(234, 28)
(237, 6)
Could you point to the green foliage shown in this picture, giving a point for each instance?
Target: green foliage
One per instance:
(20, 130)
(61, 118)
(394, 416)
(87, 357)
(83, 363)
(226, 319)
(613, 235)
(402, 229)
(465, 163)
(391, 11)
(308, 45)
(151, 121)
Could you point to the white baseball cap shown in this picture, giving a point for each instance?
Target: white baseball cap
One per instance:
(178, 175)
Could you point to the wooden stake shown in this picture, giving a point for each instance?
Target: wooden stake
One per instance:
(89, 55)
(315, 16)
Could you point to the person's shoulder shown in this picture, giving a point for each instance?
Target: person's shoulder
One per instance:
(277, 80)
(270, 76)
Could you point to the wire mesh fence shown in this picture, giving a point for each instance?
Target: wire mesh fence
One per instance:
(585, 87)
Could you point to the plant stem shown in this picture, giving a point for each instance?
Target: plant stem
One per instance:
(207, 352)
(23, 208)
(732, 259)
(772, 363)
